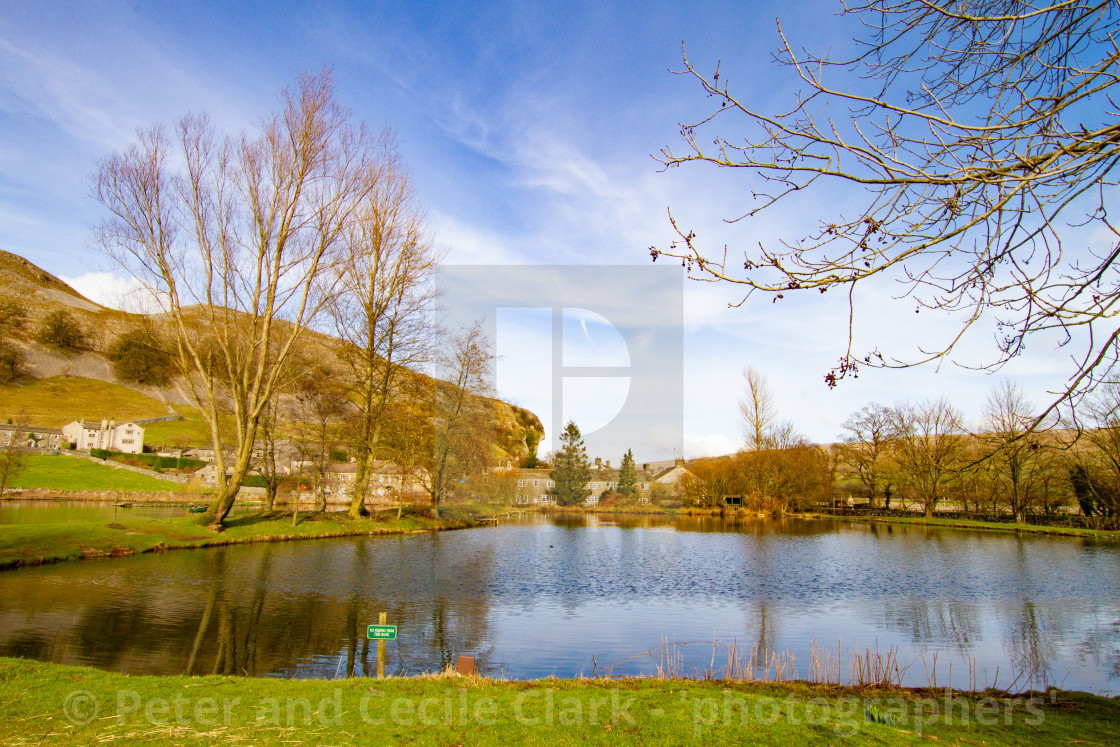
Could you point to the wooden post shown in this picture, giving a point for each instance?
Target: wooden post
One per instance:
(381, 620)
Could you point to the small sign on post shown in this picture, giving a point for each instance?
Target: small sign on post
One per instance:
(382, 632)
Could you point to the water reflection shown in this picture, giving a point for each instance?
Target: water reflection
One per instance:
(573, 594)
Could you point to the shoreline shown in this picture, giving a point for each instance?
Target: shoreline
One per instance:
(736, 513)
(79, 705)
(28, 545)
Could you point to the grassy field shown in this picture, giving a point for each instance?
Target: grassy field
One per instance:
(192, 430)
(34, 544)
(56, 704)
(74, 473)
(997, 526)
(55, 401)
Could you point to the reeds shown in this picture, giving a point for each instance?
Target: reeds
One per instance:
(736, 662)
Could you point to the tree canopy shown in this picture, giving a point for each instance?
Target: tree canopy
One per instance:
(984, 137)
(570, 470)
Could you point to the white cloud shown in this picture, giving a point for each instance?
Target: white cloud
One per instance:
(115, 292)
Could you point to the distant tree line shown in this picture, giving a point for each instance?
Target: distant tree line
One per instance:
(921, 456)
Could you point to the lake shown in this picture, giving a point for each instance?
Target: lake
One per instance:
(592, 595)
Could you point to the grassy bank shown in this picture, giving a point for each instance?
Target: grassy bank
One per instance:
(56, 704)
(43, 471)
(35, 544)
(996, 526)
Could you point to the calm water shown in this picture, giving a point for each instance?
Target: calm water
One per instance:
(574, 597)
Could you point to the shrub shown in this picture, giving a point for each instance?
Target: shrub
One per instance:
(12, 359)
(140, 356)
(60, 330)
(12, 314)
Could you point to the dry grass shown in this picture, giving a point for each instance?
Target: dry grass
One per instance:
(53, 402)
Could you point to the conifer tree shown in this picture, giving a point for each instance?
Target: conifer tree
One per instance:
(628, 476)
(570, 470)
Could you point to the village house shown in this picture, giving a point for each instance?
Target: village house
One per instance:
(387, 480)
(533, 484)
(30, 437)
(108, 435)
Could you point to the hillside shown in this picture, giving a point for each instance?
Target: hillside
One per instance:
(56, 387)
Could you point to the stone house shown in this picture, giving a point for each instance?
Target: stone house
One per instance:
(387, 480)
(533, 484)
(31, 437)
(108, 434)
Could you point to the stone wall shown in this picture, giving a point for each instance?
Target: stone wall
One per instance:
(181, 479)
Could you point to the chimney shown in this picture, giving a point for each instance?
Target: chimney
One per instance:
(598, 462)
(608, 464)
(678, 462)
(645, 467)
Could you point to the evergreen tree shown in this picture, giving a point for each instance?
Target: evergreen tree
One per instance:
(628, 476)
(570, 471)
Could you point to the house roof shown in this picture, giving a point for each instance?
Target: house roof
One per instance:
(31, 429)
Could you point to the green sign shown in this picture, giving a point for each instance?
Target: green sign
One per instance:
(388, 632)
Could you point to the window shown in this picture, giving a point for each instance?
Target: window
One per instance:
(536, 483)
(645, 486)
(591, 485)
(520, 483)
(551, 484)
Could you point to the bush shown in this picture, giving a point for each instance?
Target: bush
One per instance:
(12, 359)
(60, 330)
(12, 314)
(140, 356)
(100, 453)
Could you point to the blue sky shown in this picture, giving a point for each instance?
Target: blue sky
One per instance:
(528, 128)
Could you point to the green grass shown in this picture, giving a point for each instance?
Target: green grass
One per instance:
(58, 400)
(986, 525)
(57, 704)
(74, 473)
(34, 544)
(192, 430)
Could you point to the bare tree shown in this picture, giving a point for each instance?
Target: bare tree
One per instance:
(866, 449)
(268, 467)
(1012, 448)
(383, 312)
(11, 462)
(462, 424)
(1096, 464)
(758, 410)
(240, 240)
(930, 447)
(983, 135)
(320, 407)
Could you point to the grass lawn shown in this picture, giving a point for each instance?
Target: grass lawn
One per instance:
(33, 544)
(58, 400)
(192, 430)
(987, 525)
(57, 704)
(74, 473)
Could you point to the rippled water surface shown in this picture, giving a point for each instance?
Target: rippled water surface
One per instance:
(570, 597)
